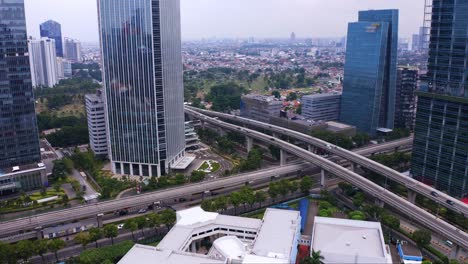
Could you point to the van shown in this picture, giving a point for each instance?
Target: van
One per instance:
(449, 243)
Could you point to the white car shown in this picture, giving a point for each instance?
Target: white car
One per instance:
(120, 227)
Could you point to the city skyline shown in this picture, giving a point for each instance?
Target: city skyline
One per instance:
(221, 19)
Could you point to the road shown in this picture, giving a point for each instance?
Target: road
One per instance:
(430, 221)
(410, 183)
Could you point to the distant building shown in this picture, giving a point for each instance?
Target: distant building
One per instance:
(321, 107)
(73, 50)
(260, 107)
(95, 112)
(292, 37)
(424, 36)
(226, 239)
(405, 107)
(43, 60)
(22, 178)
(60, 72)
(415, 42)
(368, 100)
(349, 241)
(19, 137)
(53, 30)
(67, 68)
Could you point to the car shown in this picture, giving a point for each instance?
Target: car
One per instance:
(120, 227)
(434, 193)
(142, 211)
(450, 202)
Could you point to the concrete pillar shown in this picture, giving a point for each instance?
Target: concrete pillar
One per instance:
(455, 251)
(411, 196)
(39, 233)
(323, 180)
(311, 148)
(275, 135)
(283, 157)
(193, 247)
(202, 122)
(353, 166)
(379, 203)
(249, 142)
(99, 220)
(131, 169)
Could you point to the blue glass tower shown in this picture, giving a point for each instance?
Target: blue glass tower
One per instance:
(144, 95)
(19, 138)
(53, 30)
(440, 150)
(369, 90)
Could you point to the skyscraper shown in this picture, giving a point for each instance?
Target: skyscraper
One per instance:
(368, 100)
(19, 140)
(440, 150)
(142, 69)
(53, 30)
(43, 61)
(405, 106)
(72, 50)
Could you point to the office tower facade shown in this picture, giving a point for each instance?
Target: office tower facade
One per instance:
(321, 107)
(260, 107)
(53, 30)
(19, 139)
(142, 70)
(415, 42)
(405, 106)
(368, 100)
(440, 150)
(43, 61)
(95, 112)
(72, 50)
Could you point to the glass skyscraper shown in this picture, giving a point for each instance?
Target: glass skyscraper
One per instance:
(19, 139)
(142, 70)
(53, 30)
(440, 150)
(368, 100)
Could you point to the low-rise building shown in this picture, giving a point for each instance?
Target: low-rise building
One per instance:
(321, 107)
(95, 111)
(260, 107)
(232, 239)
(23, 178)
(349, 241)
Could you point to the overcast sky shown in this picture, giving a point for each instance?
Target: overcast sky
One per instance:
(235, 18)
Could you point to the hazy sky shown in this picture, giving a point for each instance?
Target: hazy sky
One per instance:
(235, 18)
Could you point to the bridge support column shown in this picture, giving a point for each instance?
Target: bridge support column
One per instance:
(156, 206)
(275, 135)
(283, 157)
(455, 251)
(202, 122)
(249, 143)
(379, 203)
(311, 148)
(39, 233)
(99, 220)
(353, 167)
(193, 248)
(411, 196)
(323, 179)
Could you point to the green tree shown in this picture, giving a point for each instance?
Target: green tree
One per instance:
(59, 170)
(131, 225)
(180, 179)
(55, 245)
(292, 97)
(221, 203)
(361, 139)
(315, 258)
(422, 237)
(40, 248)
(83, 239)
(306, 184)
(236, 200)
(225, 97)
(168, 218)
(391, 221)
(454, 261)
(141, 223)
(94, 235)
(357, 215)
(276, 94)
(111, 231)
(358, 199)
(260, 197)
(197, 176)
(24, 250)
(7, 253)
(273, 190)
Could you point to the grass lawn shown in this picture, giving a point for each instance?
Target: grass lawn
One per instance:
(50, 193)
(215, 166)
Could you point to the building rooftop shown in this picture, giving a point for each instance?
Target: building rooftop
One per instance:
(349, 241)
(183, 163)
(22, 168)
(150, 255)
(264, 98)
(320, 95)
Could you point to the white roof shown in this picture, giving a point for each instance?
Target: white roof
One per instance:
(230, 247)
(279, 229)
(348, 241)
(183, 163)
(193, 216)
(253, 259)
(150, 255)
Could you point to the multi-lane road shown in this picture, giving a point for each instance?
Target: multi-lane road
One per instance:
(430, 221)
(412, 184)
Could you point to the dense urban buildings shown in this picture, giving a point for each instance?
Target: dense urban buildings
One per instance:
(321, 107)
(368, 100)
(19, 139)
(260, 107)
(53, 30)
(440, 151)
(142, 62)
(44, 64)
(95, 112)
(72, 50)
(274, 239)
(405, 105)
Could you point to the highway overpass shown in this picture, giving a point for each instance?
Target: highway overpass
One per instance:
(413, 185)
(430, 221)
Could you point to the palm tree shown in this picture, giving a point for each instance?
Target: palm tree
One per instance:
(94, 235)
(132, 226)
(83, 239)
(40, 248)
(314, 258)
(55, 245)
(111, 231)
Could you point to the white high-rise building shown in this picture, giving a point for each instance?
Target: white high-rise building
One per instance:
(143, 80)
(43, 60)
(95, 112)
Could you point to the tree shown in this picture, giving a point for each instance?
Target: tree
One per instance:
(141, 223)
(94, 235)
(357, 215)
(83, 239)
(391, 221)
(306, 184)
(60, 170)
(276, 94)
(154, 220)
(275, 152)
(292, 97)
(131, 225)
(6, 253)
(221, 203)
(454, 261)
(179, 179)
(111, 231)
(197, 176)
(225, 97)
(260, 197)
(168, 218)
(55, 245)
(40, 248)
(422, 237)
(358, 199)
(315, 258)
(236, 200)
(24, 250)
(361, 139)
(273, 190)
